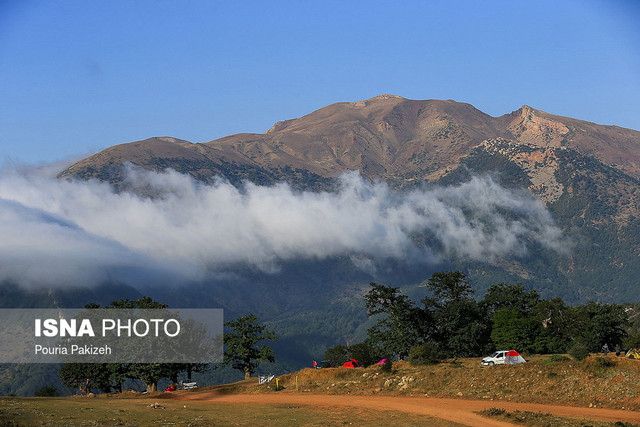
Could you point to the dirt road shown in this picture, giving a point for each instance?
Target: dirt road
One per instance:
(456, 410)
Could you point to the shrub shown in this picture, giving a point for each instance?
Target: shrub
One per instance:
(579, 351)
(494, 411)
(555, 358)
(631, 341)
(425, 354)
(603, 362)
(386, 366)
(363, 352)
(47, 391)
(337, 355)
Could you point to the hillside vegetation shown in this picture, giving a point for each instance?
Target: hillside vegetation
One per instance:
(597, 381)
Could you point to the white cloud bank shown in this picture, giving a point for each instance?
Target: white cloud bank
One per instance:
(57, 232)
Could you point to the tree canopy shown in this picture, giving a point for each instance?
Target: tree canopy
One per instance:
(452, 323)
(243, 351)
(106, 376)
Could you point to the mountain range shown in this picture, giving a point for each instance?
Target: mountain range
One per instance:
(587, 175)
(386, 137)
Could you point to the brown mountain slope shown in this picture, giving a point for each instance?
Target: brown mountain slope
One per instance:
(611, 145)
(387, 136)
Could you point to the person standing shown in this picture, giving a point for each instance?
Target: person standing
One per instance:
(605, 349)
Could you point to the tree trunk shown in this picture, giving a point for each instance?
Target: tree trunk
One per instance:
(189, 367)
(247, 374)
(152, 387)
(86, 390)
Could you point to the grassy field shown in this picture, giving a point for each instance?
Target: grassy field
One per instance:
(23, 411)
(595, 382)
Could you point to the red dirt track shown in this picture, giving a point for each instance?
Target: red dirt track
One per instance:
(456, 410)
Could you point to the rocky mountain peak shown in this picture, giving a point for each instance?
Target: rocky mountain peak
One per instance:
(375, 99)
(534, 127)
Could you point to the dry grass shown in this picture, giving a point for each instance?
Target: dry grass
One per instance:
(611, 382)
(535, 419)
(596, 381)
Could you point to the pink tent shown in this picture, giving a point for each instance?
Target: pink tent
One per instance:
(381, 362)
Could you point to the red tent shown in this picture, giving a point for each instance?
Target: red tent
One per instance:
(513, 357)
(353, 363)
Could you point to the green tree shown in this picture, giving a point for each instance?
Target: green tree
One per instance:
(117, 373)
(511, 308)
(451, 286)
(149, 373)
(104, 376)
(365, 353)
(242, 350)
(514, 330)
(557, 322)
(631, 341)
(514, 297)
(597, 324)
(461, 325)
(337, 355)
(401, 324)
(85, 377)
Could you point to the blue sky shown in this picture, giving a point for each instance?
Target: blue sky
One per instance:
(79, 76)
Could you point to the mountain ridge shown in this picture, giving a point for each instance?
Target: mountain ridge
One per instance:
(588, 175)
(386, 137)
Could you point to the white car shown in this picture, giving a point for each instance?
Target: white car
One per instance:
(497, 358)
(188, 384)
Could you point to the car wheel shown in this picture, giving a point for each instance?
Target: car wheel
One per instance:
(490, 363)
